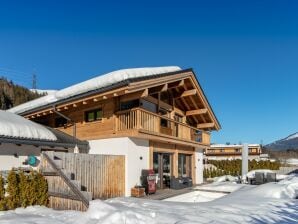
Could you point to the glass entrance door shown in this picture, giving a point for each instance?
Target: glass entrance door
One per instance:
(162, 165)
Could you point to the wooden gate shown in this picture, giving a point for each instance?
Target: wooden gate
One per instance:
(75, 179)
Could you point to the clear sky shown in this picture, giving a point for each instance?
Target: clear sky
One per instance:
(245, 53)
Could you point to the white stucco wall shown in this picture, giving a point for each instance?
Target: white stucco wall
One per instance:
(8, 160)
(136, 152)
(199, 166)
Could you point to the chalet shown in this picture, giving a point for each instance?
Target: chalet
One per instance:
(158, 118)
(225, 151)
(22, 142)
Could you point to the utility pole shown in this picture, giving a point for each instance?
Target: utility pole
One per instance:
(34, 86)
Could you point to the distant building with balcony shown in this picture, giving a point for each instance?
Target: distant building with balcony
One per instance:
(226, 151)
(159, 118)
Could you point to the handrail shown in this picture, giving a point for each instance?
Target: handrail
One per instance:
(157, 115)
(67, 181)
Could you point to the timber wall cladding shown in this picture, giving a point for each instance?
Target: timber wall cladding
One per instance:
(100, 176)
(103, 175)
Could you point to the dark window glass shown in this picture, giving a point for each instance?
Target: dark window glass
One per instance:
(184, 165)
(129, 104)
(93, 115)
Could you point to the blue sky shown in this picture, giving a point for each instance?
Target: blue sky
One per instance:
(245, 53)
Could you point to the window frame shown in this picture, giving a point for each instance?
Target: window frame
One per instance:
(94, 111)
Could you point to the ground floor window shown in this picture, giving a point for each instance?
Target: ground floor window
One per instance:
(184, 165)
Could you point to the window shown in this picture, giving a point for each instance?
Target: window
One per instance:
(148, 106)
(184, 165)
(129, 104)
(93, 115)
(60, 122)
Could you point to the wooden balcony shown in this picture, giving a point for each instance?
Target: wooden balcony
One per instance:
(140, 121)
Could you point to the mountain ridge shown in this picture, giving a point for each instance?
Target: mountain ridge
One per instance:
(289, 143)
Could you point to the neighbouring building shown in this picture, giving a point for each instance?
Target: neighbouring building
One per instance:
(225, 151)
(22, 142)
(159, 118)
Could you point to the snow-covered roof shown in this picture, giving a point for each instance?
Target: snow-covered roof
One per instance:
(15, 126)
(232, 146)
(93, 84)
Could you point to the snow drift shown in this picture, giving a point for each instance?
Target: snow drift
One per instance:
(246, 205)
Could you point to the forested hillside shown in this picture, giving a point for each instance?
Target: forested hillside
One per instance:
(12, 95)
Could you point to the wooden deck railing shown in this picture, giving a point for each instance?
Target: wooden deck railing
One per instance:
(140, 119)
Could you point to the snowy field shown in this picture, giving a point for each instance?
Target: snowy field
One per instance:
(268, 203)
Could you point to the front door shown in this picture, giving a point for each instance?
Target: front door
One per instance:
(162, 165)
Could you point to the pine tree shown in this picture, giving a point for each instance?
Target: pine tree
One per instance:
(12, 190)
(2, 195)
(42, 189)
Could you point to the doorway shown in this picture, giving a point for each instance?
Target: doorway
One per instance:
(162, 165)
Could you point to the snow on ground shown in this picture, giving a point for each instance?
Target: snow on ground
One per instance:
(14, 126)
(223, 186)
(268, 203)
(196, 196)
(101, 81)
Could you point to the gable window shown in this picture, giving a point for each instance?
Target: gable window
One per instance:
(93, 115)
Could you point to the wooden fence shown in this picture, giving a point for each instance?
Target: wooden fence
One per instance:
(75, 179)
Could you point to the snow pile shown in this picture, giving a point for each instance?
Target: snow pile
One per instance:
(196, 197)
(222, 186)
(93, 84)
(14, 126)
(246, 205)
(225, 178)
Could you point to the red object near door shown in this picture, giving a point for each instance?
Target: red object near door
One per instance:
(151, 179)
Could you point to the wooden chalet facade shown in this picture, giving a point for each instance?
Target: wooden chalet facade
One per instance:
(224, 151)
(161, 122)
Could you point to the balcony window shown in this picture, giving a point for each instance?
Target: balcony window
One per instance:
(129, 104)
(93, 115)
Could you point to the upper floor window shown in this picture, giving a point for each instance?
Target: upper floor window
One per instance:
(93, 115)
(129, 104)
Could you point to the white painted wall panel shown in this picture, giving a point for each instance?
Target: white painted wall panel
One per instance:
(136, 152)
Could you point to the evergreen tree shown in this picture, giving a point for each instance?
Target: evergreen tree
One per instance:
(2, 195)
(12, 190)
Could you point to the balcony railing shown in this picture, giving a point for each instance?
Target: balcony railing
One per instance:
(151, 123)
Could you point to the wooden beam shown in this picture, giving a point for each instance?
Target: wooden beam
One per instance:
(145, 93)
(164, 88)
(181, 83)
(206, 125)
(190, 92)
(196, 112)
